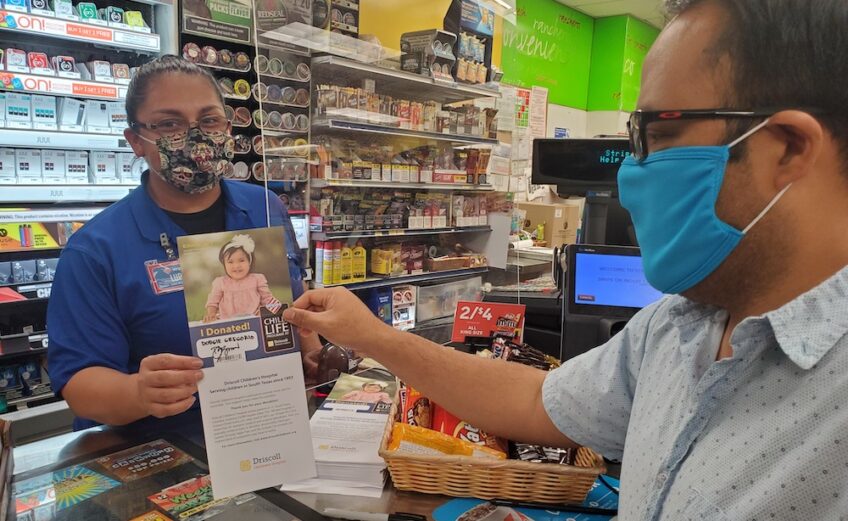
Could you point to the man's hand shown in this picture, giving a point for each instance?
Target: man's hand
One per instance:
(339, 316)
(167, 383)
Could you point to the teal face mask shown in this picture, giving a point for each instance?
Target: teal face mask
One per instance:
(671, 197)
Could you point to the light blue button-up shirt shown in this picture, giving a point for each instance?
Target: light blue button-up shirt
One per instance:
(762, 435)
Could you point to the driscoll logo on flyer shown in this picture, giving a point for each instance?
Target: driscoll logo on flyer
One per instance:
(258, 463)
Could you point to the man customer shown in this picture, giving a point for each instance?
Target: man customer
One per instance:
(725, 400)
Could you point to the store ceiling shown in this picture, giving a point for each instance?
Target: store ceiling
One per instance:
(648, 10)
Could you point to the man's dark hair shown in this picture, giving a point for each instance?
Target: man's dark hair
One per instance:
(786, 54)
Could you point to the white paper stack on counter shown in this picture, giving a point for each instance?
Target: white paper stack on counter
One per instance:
(346, 434)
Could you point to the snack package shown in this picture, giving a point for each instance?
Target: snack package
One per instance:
(523, 354)
(447, 423)
(539, 454)
(416, 409)
(408, 439)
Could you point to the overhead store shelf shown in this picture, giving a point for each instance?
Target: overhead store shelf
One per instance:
(328, 236)
(63, 193)
(124, 38)
(396, 82)
(431, 276)
(345, 126)
(63, 140)
(460, 187)
(56, 86)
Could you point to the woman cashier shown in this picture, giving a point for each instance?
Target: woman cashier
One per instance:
(119, 349)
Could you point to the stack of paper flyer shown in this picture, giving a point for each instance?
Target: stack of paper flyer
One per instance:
(346, 434)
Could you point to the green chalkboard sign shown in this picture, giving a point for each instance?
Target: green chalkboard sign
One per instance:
(550, 46)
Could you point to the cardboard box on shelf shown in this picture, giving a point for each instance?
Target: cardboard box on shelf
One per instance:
(76, 167)
(28, 166)
(103, 168)
(561, 221)
(53, 166)
(7, 166)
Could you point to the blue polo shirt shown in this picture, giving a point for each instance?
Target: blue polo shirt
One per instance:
(103, 310)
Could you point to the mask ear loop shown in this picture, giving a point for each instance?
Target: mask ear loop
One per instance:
(766, 209)
(778, 197)
(748, 134)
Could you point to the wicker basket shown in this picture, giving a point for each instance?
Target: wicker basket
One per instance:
(492, 479)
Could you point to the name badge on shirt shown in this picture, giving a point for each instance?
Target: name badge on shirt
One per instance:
(165, 276)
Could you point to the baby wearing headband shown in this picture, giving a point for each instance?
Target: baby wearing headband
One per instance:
(240, 292)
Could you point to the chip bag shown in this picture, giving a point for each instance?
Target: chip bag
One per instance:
(408, 439)
(447, 423)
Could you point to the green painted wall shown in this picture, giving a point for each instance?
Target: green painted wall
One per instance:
(619, 48)
(550, 46)
(606, 63)
(640, 38)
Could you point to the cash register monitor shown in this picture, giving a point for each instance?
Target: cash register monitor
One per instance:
(607, 281)
(588, 168)
(606, 286)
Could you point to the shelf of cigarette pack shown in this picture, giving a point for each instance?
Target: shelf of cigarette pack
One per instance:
(460, 187)
(281, 131)
(7, 357)
(46, 215)
(74, 30)
(377, 282)
(63, 193)
(284, 78)
(395, 82)
(345, 4)
(281, 104)
(58, 86)
(328, 236)
(63, 140)
(225, 68)
(341, 125)
(28, 399)
(344, 27)
(35, 289)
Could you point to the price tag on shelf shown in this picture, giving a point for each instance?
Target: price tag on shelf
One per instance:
(137, 39)
(43, 12)
(99, 130)
(19, 125)
(44, 126)
(486, 319)
(69, 75)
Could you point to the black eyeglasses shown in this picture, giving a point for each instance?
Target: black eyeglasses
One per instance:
(171, 127)
(640, 119)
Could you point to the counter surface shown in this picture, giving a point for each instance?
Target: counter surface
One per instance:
(58, 450)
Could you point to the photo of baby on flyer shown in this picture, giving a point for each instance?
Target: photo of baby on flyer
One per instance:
(240, 291)
(237, 286)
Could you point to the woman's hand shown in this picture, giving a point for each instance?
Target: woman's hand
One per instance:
(167, 383)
